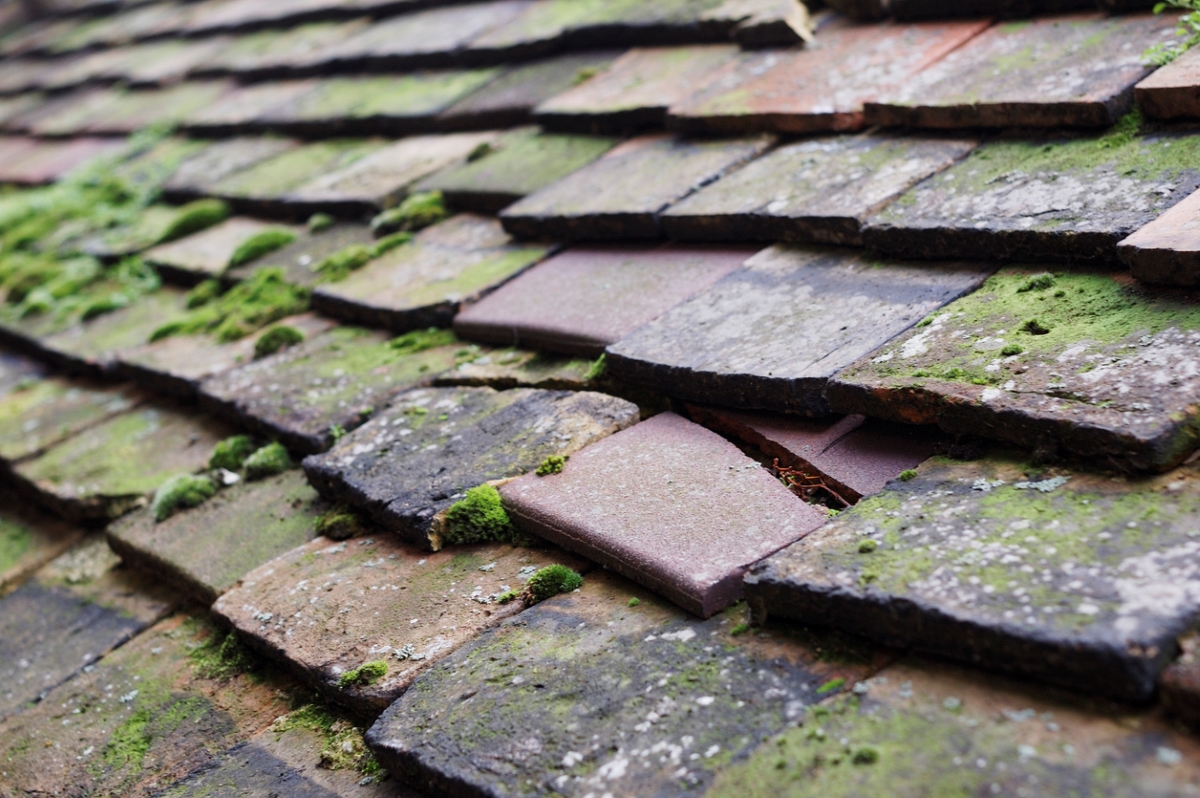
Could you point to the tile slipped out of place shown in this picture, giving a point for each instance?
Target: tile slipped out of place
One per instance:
(29, 539)
(819, 190)
(634, 92)
(1170, 92)
(441, 442)
(382, 178)
(584, 299)
(509, 99)
(1015, 76)
(845, 66)
(771, 334)
(69, 614)
(427, 281)
(518, 164)
(309, 394)
(240, 109)
(44, 412)
(326, 608)
(176, 365)
(206, 550)
(1046, 574)
(199, 174)
(206, 254)
(262, 185)
(621, 195)
(1047, 200)
(114, 466)
(851, 455)
(920, 728)
(658, 700)
(1082, 364)
(713, 510)
(1167, 250)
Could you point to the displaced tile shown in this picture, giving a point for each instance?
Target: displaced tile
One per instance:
(1073, 579)
(111, 467)
(621, 195)
(160, 707)
(844, 67)
(240, 109)
(199, 174)
(205, 254)
(1085, 364)
(326, 609)
(382, 178)
(820, 190)
(510, 99)
(521, 162)
(770, 335)
(636, 90)
(176, 365)
(442, 442)
(265, 182)
(299, 259)
(854, 456)
(204, 551)
(1074, 70)
(310, 394)
(1167, 250)
(44, 412)
(1172, 91)
(712, 509)
(374, 105)
(29, 539)
(609, 690)
(921, 729)
(71, 613)
(426, 282)
(1055, 200)
(584, 299)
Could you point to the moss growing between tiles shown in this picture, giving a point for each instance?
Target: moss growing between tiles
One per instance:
(231, 453)
(421, 340)
(340, 523)
(259, 244)
(15, 540)
(320, 222)
(552, 465)
(479, 517)
(342, 745)
(276, 339)
(364, 675)
(194, 217)
(389, 242)
(550, 581)
(221, 658)
(179, 493)
(268, 461)
(337, 267)
(249, 306)
(414, 213)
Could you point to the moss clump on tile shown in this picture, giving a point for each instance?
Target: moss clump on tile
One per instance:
(550, 581)
(202, 294)
(221, 658)
(552, 465)
(15, 540)
(389, 242)
(420, 340)
(416, 212)
(249, 306)
(340, 523)
(342, 744)
(479, 517)
(259, 244)
(319, 222)
(596, 370)
(194, 217)
(268, 461)
(232, 452)
(70, 289)
(337, 266)
(364, 675)
(179, 493)
(279, 337)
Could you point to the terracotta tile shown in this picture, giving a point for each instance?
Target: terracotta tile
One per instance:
(198, 175)
(299, 259)
(207, 253)
(1173, 91)
(1167, 250)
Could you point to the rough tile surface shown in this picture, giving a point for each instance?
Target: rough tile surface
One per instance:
(1172, 92)
(771, 334)
(1167, 250)
(28, 540)
(200, 174)
(621, 195)
(580, 301)
(207, 253)
(265, 183)
(1084, 364)
(325, 608)
(299, 259)
(241, 109)
(818, 190)
(441, 442)
(668, 504)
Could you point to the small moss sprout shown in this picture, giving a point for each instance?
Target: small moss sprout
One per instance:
(319, 222)
(1010, 350)
(179, 493)
(277, 338)
(1038, 282)
(261, 243)
(1034, 327)
(364, 675)
(635, 601)
(340, 523)
(338, 266)
(232, 452)
(416, 212)
(550, 581)
(268, 461)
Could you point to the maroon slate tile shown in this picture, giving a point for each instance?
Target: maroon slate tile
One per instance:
(621, 195)
(1068, 70)
(1167, 250)
(854, 455)
(668, 504)
(819, 190)
(635, 91)
(580, 301)
(770, 335)
(169, 61)
(205, 254)
(1172, 92)
(199, 174)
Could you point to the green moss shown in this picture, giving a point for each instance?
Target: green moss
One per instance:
(129, 743)
(1034, 327)
(550, 581)
(420, 340)
(221, 658)
(481, 150)
(232, 452)
(194, 217)
(739, 629)
(248, 306)
(389, 242)
(552, 465)
(831, 686)
(319, 222)
(416, 212)
(342, 744)
(1038, 282)
(479, 517)
(202, 294)
(337, 266)
(507, 596)
(268, 461)
(179, 493)
(340, 523)
(364, 675)
(15, 540)
(635, 601)
(279, 337)
(907, 474)
(261, 243)
(596, 370)
(867, 546)
(1010, 350)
